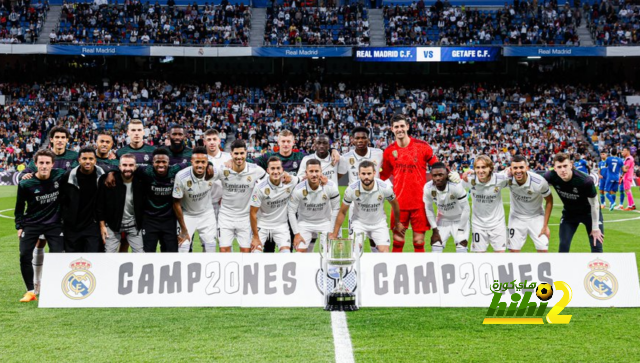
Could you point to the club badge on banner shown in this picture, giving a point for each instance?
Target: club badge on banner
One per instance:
(297, 280)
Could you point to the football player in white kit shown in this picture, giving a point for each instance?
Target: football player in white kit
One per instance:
(453, 210)
(316, 207)
(268, 214)
(218, 158)
(369, 218)
(192, 203)
(322, 146)
(526, 216)
(350, 162)
(487, 217)
(237, 186)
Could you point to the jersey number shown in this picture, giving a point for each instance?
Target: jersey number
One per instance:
(512, 232)
(476, 237)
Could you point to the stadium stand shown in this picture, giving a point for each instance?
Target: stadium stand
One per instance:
(459, 122)
(21, 21)
(610, 25)
(345, 25)
(517, 23)
(138, 23)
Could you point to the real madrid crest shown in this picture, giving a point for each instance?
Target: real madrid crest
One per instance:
(226, 173)
(530, 192)
(249, 178)
(146, 157)
(600, 283)
(79, 283)
(473, 182)
(56, 185)
(267, 191)
(379, 197)
(395, 153)
(352, 161)
(304, 192)
(288, 190)
(210, 183)
(324, 197)
(189, 183)
(496, 189)
(295, 165)
(357, 194)
(452, 197)
(433, 193)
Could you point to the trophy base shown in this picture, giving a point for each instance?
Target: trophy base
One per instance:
(341, 301)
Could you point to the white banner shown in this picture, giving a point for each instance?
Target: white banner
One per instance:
(294, 280)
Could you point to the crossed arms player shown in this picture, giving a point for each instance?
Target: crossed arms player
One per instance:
(368, 218)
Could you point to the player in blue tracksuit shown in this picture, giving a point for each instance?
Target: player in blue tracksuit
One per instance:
(602, 185)
(580, 164)
(614, 168)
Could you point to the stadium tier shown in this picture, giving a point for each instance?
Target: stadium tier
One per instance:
(21, 22)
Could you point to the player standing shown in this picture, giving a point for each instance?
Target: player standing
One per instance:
(602, 177)
(368, 219)
(487, 217)
(627, 178)
(178, 152)
(218, 158)
(322, 146)
(614, 168)
(237, 185)
(42, 217)
(137, 147)
(453, 210)
(578, 194)
(581, 164)
(407, 160)
(312, 208)
(526, 216)
(192, 204)
(268, 215)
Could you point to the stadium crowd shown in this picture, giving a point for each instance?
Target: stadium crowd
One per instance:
(459, 122)
(614, 26)
(135, 22)
(21, 21)
(344, 25)
(518, 23)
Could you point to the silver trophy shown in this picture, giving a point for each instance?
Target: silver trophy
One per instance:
(343, 254)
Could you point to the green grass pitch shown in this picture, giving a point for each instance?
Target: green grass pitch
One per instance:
(305, 335)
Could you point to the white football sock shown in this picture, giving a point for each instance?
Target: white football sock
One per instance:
(437, 248)
(286, 250)
(461, 249)
(37, 261)
(374, 249)
(184, 248)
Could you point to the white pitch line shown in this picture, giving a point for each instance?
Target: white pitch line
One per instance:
(341, 337)
(3, 216)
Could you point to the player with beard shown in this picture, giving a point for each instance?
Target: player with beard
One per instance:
(602, 176)
(120, 209)
(218, 158)
(627, 179)
(312, 208)
(453, 210)
(238, 183)
(137, 147)
(42, 217)
(192, 203)
(407, 160)
(526, 216)
(178, 152)
(350, 162)
(268, 214)
(368, 219)
(578, 194)
(322, 145)
(106, 158)
(65, 159)
(487, 217)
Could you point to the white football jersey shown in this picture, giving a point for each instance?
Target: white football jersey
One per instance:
(237, 189)
(368, 206)
(350, 162)
(328, 170)
(272, 201)
(218, 161)
(313, 207)
(526, 199)
(448, 200)
(488, 211)
(194, 192)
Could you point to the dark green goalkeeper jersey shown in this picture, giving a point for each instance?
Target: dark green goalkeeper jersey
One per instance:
(143, 155)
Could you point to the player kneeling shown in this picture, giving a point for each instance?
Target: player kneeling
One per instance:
(268, 215)
(453, 210)
(368, 219)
